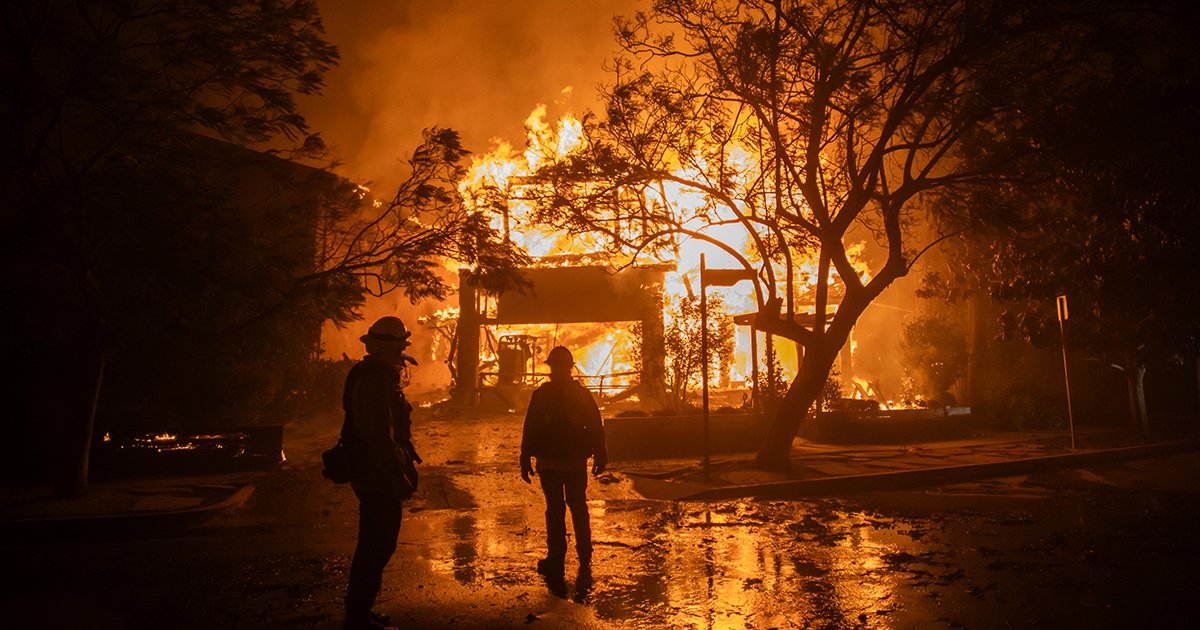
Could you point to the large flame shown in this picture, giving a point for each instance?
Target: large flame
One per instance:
(494, 185)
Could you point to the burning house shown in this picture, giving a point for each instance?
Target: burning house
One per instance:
(631, 314)
(616, 311)
(610, 316)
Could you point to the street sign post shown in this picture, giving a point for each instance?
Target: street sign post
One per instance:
(704, 362)
(716, 277)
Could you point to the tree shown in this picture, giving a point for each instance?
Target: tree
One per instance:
(92, 84)
(937, 350)
(682, 344)
(811, 125)
(104, 225)
(1107, 214)
(403, 244)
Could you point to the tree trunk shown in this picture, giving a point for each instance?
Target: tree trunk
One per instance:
(977, 312)
(1198, 379)
(820, 351)
(653, 387)
(1135, 380)
(846, 361)
(466, 360)
(76, 411)
(803, 392)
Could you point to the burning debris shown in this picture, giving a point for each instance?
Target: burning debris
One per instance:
(212, 451)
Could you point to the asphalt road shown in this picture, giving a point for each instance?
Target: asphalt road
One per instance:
(1101, 547)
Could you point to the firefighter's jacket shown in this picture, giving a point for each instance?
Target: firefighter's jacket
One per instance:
(379, 422)
(563, 427)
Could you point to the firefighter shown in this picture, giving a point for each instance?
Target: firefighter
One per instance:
(382, 455)
(562, 430)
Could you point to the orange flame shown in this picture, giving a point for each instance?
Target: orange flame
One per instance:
(494, 185)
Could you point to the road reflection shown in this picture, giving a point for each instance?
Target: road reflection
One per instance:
(742, 564)
(662, 564)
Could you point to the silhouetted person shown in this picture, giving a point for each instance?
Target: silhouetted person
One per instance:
(562, 430)
(378, 427)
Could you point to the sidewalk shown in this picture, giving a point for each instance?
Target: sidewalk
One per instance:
(818, 469)
(155, 504)
(121, 506)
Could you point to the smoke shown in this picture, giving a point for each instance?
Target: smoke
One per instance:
(480, 67)
(477, 66)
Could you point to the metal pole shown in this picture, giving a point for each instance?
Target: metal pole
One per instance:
(754, 394)
(704, 362)
(1062, 332)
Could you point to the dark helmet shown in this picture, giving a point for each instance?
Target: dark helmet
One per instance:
(388, 329)
(559, 355)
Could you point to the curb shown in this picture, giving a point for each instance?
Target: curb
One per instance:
(122, 523)
(869, 482)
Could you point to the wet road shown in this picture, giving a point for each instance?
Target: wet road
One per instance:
(1106, 547)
